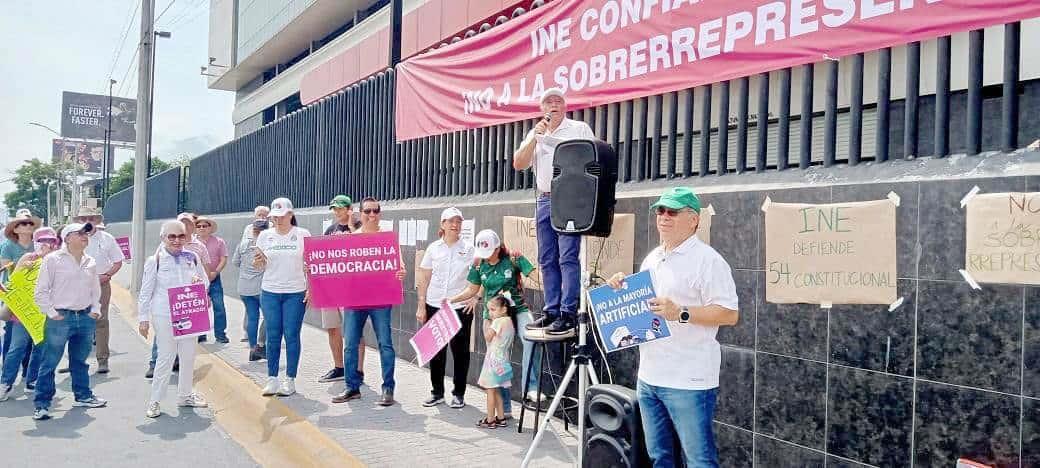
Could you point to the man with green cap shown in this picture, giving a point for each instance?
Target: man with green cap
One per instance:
(332, 319)
(679, 377)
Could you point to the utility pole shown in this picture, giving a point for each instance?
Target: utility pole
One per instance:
(143, 147)
(106, 165)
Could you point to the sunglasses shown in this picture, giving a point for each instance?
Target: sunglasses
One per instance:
(671, 213)
(371, 210)
(48, 240)
(23, 223)
(202, 225)
(174, 237)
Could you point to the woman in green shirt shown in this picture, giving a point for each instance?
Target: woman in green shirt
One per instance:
(497, 273)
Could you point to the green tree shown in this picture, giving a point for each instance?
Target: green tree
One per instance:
(31, 182)
(124, 176)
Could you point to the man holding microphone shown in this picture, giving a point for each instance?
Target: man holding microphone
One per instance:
(557, 253)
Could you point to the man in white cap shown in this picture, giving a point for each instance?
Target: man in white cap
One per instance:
(109, 258)
(557, 253)
(68, 290)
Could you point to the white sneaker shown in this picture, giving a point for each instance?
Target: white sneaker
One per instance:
(192, 401)
(5, 391)
(288, 387)
(153, 410)
(272, 386)
(534, 395)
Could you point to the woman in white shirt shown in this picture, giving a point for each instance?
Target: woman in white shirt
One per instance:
(170, 267)
(279, 253)
(442, 275)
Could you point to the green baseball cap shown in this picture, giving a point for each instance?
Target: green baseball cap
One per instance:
(678, 198)
(340, 201)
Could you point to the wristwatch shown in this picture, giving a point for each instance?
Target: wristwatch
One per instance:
(684, 314)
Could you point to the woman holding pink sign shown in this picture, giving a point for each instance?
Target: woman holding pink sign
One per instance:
(170, 267)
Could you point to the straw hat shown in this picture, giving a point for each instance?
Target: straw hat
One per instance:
(23, 216)
(207, 219)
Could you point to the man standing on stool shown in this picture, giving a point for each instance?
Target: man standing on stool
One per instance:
(557, 253)
(679, 377)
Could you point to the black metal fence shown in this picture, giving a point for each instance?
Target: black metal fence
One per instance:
(345, 143)
(165, 191)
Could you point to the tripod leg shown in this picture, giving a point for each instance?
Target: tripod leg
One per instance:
(548, 418)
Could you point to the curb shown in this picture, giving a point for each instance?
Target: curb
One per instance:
(272, 433)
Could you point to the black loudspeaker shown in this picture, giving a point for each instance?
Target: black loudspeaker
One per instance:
(613, 431)
(583, 186)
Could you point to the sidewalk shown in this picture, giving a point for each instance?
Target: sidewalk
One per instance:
(406, 434)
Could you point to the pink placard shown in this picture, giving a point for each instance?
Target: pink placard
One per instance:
(353, 271)
(435, 334)
(189, 311)
(124, 245)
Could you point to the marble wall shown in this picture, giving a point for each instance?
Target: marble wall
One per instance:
(953, 372)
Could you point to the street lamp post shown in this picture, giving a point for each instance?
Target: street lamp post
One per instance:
(106, 165)
(151, 82)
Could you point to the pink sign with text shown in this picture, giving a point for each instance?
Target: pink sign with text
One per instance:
(435, 334)
(353, 271)
(124, 245)
(189, 311)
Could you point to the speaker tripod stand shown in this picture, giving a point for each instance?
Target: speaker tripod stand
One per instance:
(581, 364)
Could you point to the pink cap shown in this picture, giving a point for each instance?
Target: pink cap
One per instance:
(44, 233)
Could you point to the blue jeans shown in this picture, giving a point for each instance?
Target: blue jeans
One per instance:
(353, 327)
(507, 404)
(558, 262)
(252, 304)
(216, 297)
(283, 317)
(686, 412)
(77, 331)
(21, 346)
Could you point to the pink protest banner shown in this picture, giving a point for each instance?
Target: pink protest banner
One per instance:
(353, 271)
(189, 311)
(435, 334)
(602, 52)
(124, 245)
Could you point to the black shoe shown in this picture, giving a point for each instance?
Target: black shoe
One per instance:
(333, 375)
(433, 401)
(541, 323)
(347, 396)
(151, 371)
(177, 365)
(562, 326)
(202, 338)
(257, 354)
(223, 340)
(387, 399)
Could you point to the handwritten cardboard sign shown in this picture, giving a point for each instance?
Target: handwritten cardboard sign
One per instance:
(704, 227)
(519, 233)
(353, 271)
(435, 334)
(609, 255)
(124, 245)
(19, 298)
(1002, 243)
(840, 253)
(189, 311)
(623, 317)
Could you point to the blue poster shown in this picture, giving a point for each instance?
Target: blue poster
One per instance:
(623, 316)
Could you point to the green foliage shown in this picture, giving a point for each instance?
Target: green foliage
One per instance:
(124, 176)
(31, 181)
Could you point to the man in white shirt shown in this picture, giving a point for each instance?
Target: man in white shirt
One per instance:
(69, 292)
(109, 258)
(679, 377)
(557, 253)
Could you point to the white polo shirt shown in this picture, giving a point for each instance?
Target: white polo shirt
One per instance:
(105, 251)
(692, 275)
(543, 153)
(450, 266)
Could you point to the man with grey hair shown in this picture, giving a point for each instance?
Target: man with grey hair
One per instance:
(260, 212)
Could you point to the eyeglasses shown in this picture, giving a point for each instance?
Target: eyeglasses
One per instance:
(369, 211)
(48, 240)
(202, 225)
(671, 213)
(176, 237)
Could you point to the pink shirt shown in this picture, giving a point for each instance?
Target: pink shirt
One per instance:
(199, 249)
(66, 284)
(217, 250)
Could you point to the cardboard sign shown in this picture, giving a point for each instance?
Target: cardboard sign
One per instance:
(840, 253)
(623, 317)
(1002, 243)
(608, 255)
(124, 245)
(520, 233)
(19, 298)
(189, 311)
(704, 228)
(353, 271)
(435, 334)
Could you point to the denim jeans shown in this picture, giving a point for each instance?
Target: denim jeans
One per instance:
(353, 328)
(521, 322)
(689, 414)
(21, 346)
(558, 262)
(216, 297)
(77, 331)
(283, 316)
(252, 304)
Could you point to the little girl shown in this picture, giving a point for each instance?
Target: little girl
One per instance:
(497, 371)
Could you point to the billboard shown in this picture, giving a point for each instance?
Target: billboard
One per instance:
(85, 116)
(89, 157)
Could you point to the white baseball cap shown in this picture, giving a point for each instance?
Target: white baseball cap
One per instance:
(486, 241)
(552, 92)
(281, 206)
(451, 212)
(85, 228)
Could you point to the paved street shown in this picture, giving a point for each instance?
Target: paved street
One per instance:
(118, 435)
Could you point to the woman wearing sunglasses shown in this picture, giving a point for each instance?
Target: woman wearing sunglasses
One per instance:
(279, 253)
(172, 266)
(18, 242)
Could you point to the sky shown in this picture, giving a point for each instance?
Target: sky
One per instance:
(52, 46)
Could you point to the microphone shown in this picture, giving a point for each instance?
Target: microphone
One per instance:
(548, 116)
